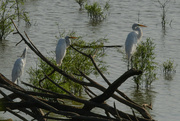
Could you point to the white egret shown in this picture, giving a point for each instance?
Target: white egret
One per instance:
(61, 49)
(132, 39)
(19, 66)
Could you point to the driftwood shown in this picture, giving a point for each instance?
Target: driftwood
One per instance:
(32, 103)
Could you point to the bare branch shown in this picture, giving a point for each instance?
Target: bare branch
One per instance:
(91, 58)
(31, 102)
(113, 87)
(59, 86)
(98, 46)
(19, 116)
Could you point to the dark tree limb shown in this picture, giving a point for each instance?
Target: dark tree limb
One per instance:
(113, 87)
(59, 86)
(40, 81)
(3, 82)
(99, 46)
(88, 91)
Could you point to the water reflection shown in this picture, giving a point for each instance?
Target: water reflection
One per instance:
(169, 76)
(143, 96)
(3, 45)
(163, 32)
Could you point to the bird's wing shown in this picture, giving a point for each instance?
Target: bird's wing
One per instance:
(60, 51)
(130, 44)
(17, 69)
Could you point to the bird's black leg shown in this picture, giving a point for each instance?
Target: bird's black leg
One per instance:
(132, 62)
(128, 65)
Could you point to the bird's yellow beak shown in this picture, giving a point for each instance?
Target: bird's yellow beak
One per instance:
(73, 37)
(142, 25)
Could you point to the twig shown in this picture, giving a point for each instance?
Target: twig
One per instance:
(43, 90)
(56, 118)
(40, 81)
(91, 58)
(87, 90)
(5, 96)
(92, 82)
(59, 86)
(118, 116)
(148, 106)
(19, 116)
(33, 44)
(134, 114)
(97, 46)
(19, 42)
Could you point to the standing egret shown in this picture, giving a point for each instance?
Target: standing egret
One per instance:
(19, 66)
(131, 41)
(61, 49)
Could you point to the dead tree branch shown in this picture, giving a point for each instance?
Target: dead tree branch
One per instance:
(31, 102)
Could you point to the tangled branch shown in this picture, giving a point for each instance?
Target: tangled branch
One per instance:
(32, 103)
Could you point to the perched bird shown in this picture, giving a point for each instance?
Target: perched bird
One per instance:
(19, 66)
(131, 41)
(61, 49)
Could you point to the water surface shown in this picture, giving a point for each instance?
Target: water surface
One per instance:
(45, 15)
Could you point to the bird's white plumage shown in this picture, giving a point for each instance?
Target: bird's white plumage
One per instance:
(61, 47)
(130, 44)
(60, 51)
(19, 66)
(132, 40)
(17, 69)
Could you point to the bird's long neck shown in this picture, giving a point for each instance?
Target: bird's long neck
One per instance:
(68, 42)
(139, 32)
(24, 54)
